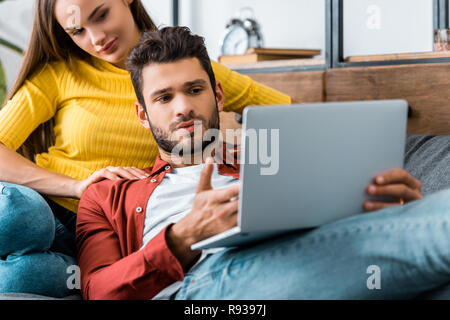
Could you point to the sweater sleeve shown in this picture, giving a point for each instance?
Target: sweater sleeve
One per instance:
(33, 104)
(241, 91)
(108, 275)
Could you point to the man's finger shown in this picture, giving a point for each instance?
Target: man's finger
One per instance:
(395, 190)
(374, 206)
(224, 195)
(204, 183)
(397, 176)
(228, 208)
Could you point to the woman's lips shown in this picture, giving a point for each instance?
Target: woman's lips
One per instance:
(110, 47)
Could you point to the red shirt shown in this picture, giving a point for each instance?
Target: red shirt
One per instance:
(110, 226)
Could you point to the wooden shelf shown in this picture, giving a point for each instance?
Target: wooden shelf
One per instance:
(254, 55)
(401, 56)
(279, 64)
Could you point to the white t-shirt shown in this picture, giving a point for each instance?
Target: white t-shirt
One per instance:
(172, 200)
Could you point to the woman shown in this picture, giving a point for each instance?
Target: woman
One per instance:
(71, 117)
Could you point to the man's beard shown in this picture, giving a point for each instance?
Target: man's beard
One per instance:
(164, 142)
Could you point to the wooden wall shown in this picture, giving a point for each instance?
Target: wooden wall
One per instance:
(303, 87)
(425, 86)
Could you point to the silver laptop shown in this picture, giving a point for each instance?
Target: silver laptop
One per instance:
(313, 165)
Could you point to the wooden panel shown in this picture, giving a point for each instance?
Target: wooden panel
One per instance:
(276, 64)
(425, 86)
(401, 56)
(303, 87)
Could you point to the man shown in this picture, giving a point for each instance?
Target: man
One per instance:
(134, 236)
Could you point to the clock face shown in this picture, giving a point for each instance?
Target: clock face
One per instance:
(236, 41)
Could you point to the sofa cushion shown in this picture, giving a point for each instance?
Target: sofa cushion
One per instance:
(27, 296)
(427, 158)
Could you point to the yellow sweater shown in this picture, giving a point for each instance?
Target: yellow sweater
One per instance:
(95, 121)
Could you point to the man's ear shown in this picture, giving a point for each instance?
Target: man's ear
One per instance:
(220, 96)
(142, 115)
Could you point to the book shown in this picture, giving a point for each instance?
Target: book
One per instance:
(254, 55)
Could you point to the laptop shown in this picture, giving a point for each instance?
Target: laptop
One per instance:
(303, 166)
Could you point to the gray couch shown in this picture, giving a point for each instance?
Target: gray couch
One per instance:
(427, 158)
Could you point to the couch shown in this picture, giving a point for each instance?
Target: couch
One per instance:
(427, 157)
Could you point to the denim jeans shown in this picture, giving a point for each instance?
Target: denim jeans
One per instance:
(400, 252)
(36, 248)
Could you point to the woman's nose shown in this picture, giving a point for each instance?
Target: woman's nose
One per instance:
(97, 38)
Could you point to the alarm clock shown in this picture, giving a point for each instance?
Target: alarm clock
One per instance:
(241, 34)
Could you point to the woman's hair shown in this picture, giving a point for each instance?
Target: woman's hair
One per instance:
(49, 42)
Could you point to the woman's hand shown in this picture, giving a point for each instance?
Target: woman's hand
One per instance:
(398, 184)
(111, 173)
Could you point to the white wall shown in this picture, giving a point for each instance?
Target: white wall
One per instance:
(160, 11)
(285, 23)
(385, 26)
(11, 63)
(16, 21)
(406, 24)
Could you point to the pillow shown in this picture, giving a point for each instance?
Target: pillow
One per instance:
(28, 296)
(427, 158)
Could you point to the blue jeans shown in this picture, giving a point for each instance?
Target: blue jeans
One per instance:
(35, 247)
(396, 253)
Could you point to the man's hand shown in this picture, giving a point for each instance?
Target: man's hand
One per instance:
(213, 212)
(398, 184)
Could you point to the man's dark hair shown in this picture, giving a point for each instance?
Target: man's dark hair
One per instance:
(169, 44)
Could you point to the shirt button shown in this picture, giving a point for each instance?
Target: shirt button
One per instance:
(167, 168)
(138, 209)
(153, 180)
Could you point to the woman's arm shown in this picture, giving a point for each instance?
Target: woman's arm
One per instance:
(35, 103)
(17, 169)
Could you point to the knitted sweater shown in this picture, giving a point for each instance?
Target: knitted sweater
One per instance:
(95, 121)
